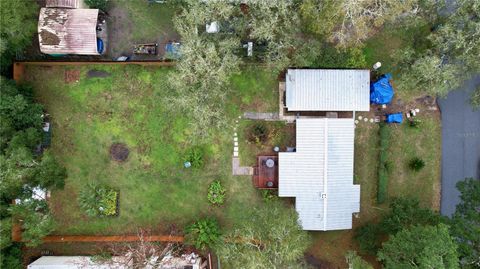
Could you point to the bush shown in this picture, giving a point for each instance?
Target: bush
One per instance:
(269, 195)
(100, 4)
(416, 164)
(203, 233)
(216, 193)
(415, 123)
(11, 257)
(195, 156)
(258, 133)
(385, 165)
(98, 200)
(368, 238)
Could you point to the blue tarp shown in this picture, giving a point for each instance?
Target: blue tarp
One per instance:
(381, 91)
(394, 118)
(172, 50)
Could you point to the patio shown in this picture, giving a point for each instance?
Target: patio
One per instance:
(266, 172)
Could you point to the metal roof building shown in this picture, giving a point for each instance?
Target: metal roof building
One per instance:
(320, 174)
(65, 3)
(68, 31)
(327, 90)
(78, 262)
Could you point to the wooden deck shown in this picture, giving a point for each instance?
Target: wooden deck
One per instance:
(265, 177)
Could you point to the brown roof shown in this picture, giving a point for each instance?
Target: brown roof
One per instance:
(64, 3)
(68, 31)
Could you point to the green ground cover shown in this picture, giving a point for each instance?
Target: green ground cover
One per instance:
(129, 107)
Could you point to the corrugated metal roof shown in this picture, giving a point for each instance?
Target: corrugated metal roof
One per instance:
(64, 3)
(68, 31)
(320, 174)
(327, 90)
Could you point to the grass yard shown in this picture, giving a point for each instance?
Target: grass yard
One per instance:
(137, 21)
(129, 106)
(255, 89)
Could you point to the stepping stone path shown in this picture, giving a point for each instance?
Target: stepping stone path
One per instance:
(238, 170)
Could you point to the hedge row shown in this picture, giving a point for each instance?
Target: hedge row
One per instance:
(384, 163)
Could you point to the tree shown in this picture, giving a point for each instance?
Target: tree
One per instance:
(432, 74)
(36, 220)
(475, 98)
(356, 262)
(203, 233)
(277, 24)
(465, 223)
(458, 37)
(17, 109)
(403, 214)
(18, 23)
(420, 247)
(270, 238)
(100, 4)
(320, 17)
(203, 71)
(361, 19)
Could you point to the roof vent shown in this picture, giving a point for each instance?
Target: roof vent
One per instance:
(323, 195)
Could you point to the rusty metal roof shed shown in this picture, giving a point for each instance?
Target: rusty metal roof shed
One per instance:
(64, 3)
(68, 31)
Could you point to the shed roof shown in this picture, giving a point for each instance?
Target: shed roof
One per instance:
(68, 31)
(78, 262)
(320, 174)
(327, 90)
(64, 3)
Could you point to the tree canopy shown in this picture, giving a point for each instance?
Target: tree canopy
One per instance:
(270, 238)
(18, 23)
(420, 247)
(465, 223)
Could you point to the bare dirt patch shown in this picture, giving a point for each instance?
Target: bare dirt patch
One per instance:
(72, 76)
(119, 152)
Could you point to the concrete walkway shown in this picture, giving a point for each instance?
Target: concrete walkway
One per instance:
(272, 116)
(238, 170)
(460, 143)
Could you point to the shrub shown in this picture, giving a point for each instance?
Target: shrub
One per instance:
(385, 165)
(98, 200)
(368, 238)
(268, 195)
(100, 4)
(216, 193)
(416, 164)
(258, 133)
(195, 156)
(415, 123)
(203, 233)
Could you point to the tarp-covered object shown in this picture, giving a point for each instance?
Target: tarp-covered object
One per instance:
(394, 118)
(381, 91)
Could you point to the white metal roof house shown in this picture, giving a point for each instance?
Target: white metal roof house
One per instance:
(327, 90)
(320, 174)
(68, 31)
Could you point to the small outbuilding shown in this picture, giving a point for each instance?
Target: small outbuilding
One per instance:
(68, 31)
(65, 3)
(79, 262)
(327, 90)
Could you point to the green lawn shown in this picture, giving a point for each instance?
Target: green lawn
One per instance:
(255, 89)
(129, 107)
